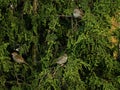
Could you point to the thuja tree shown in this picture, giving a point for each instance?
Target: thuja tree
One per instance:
(44, 30)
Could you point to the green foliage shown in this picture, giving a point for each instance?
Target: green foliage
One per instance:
(43, 32)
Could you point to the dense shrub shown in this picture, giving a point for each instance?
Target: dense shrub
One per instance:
(45, 29)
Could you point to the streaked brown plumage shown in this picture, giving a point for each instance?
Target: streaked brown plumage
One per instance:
(17, 58)
(62, 59)
(77, 13)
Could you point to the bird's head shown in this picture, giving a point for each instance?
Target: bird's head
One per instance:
(14, 54)
(65, 55)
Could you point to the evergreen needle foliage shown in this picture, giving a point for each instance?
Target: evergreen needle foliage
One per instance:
(46, 29)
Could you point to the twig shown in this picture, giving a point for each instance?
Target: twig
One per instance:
(65, 16)
(16, 77)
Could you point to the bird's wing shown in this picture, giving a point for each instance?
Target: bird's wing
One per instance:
(20, 58)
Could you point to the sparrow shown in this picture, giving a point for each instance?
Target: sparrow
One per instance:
(77, 13)
(62, 59)
(18, 58)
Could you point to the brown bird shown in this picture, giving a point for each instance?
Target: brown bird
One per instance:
(17, 58)
(77, 13)
(62, 59)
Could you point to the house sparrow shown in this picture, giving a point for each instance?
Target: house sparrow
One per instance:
(77, 13)
(17, 58)
(62, 59)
